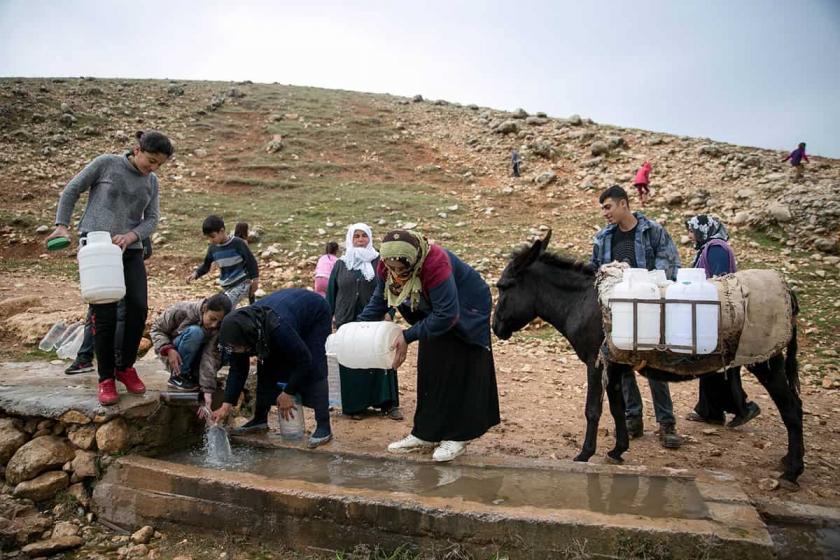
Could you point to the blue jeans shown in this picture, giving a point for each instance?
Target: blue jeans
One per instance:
(659, 392)
(189, 345)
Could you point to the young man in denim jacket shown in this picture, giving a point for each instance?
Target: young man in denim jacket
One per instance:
(630, 237)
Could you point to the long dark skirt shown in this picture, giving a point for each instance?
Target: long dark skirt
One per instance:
(363, 388)
(457, 397)
(721, 393)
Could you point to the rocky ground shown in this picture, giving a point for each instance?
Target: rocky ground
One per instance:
(300, 164)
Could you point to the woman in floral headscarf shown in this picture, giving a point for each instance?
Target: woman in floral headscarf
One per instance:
(721, 392)
(448, 306)
(351, 284)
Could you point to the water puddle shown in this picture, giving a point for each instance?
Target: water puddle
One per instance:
(797, 542)
(650, 496)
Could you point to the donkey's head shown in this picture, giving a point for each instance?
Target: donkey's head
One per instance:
(517, 304)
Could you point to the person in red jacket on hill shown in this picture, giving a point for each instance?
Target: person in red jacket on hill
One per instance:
(642, 182)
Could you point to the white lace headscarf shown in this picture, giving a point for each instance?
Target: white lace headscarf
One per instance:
(359, 258)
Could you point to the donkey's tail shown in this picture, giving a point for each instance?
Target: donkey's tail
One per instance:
(791, 363)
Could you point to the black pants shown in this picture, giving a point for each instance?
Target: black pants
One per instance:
(315, 394)
(104, 319)
(721, 393)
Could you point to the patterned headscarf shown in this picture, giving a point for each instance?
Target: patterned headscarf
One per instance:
(410, 248)
(359, 258)
(705, 229)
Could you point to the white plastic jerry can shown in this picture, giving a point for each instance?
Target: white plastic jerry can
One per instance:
(100, 269)
(691, 285)
(636, 284)
(366, 345)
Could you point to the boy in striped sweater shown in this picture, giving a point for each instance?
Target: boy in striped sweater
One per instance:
(239, 277)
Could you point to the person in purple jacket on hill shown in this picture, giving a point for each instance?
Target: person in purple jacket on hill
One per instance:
(796, 157)
(720, 392)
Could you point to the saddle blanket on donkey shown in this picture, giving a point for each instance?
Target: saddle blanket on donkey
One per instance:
(756, 322)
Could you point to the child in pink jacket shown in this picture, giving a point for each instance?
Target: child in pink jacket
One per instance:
(642, 182)
(324, 267)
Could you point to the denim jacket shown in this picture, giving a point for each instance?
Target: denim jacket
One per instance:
(654, 248)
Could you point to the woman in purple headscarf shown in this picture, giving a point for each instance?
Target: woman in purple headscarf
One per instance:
(721, 392)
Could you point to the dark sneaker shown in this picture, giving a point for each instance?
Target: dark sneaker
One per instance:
(395, 414)
(694, 417)
(182, 383)
(251, 426)
(79, 367)
(635, 427)
(319, 437)
(668, 436)
(753, 410)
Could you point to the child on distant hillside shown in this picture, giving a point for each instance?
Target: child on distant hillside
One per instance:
(642, 182)
(796, 157)
(323, 269)
(241, 231)
(239, 276)
(185, 337)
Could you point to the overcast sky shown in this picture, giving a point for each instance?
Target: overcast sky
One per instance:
(756, 72)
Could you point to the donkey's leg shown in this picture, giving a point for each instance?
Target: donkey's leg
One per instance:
(616, 400)
(594, 404)
(771, 374)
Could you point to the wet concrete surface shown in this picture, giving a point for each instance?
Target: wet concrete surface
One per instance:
(650, 496)
(42, 389)
(320, 499)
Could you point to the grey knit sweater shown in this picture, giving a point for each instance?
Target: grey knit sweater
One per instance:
(121, 199)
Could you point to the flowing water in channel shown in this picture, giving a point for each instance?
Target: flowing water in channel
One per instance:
(217, 450)
(651, 496)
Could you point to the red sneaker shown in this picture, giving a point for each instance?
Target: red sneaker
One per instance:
(130, 379)
(108, 393)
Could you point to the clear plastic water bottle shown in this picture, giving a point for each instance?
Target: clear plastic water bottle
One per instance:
(67, 335)
(334, 381)
(53, 335)
(71, 346)
(291, 429)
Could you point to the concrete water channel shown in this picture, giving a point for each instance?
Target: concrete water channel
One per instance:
(323, 499)
(335, 498)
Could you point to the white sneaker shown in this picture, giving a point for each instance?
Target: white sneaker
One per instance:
(448, 450)
(410, 443)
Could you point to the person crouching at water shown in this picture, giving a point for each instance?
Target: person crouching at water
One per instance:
(448, 305)
(185, 336)
(287, 332)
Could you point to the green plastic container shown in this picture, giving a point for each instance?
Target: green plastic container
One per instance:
(58, 243)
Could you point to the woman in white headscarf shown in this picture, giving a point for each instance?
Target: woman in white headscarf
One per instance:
(351, 285)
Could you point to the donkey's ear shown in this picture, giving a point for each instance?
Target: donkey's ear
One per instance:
(527, 257)
(545, 241)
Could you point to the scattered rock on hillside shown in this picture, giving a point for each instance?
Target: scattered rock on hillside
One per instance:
(545, 178)
(779, 212)
(599, 148)
(825, 244)
(507, 127)
(275, 144)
